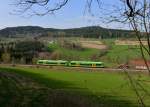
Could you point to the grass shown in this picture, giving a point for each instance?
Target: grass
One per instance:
(69, 54)
(121, 54)
(102, 88)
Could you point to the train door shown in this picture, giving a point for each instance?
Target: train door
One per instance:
(93, 65)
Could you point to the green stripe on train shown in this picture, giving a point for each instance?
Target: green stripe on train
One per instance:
(86, 64)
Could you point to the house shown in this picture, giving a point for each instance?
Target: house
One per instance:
(139, 64)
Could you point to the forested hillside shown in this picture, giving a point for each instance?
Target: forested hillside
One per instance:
(90, 32)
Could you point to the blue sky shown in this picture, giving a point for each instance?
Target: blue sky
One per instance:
(71, 16)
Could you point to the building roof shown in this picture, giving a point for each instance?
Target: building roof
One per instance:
(139, 62)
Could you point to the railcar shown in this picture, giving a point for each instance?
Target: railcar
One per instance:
(86, 64)
(53, 62)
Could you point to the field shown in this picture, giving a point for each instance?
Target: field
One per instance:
(61, 87)
(107, 51)
(72, 54)
(129, 42)
(121, 54)
(93, 44)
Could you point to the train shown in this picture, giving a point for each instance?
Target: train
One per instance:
(71, 63)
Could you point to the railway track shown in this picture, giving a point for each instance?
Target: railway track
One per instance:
(74, 68)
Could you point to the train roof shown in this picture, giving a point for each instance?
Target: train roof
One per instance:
(52, 60)
(87, 62)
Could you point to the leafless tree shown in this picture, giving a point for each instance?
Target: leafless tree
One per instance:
(44, 7)
(137, 12)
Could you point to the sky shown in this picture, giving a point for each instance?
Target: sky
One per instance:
(73, 15)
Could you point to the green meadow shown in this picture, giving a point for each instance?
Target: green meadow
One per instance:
(70, 88)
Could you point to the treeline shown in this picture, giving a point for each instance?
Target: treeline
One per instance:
(20, 52)
(99, 32)
(88, 32)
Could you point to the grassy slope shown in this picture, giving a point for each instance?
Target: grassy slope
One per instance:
(120, 54)
(116, 55)
(26, 89)
(108, 88)
(68, 54)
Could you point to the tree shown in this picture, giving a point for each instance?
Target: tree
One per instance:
(27, 50)
(137, 13)
(45, 6)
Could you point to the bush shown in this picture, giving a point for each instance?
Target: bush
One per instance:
(71, 45)
(6, 57)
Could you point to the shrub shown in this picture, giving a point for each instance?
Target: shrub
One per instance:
(71, 45)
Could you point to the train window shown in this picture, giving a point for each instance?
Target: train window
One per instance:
(62, 63)
(40, 62)
(83, 64)
(51, 62)
(73, 63)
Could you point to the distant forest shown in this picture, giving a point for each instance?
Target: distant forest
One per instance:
(88, 32)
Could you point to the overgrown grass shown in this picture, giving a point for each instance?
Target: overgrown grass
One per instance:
(103, 88)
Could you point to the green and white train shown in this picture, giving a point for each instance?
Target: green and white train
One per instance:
(71, 63)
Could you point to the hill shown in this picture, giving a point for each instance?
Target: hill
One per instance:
(23, 31)
(90, 32)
